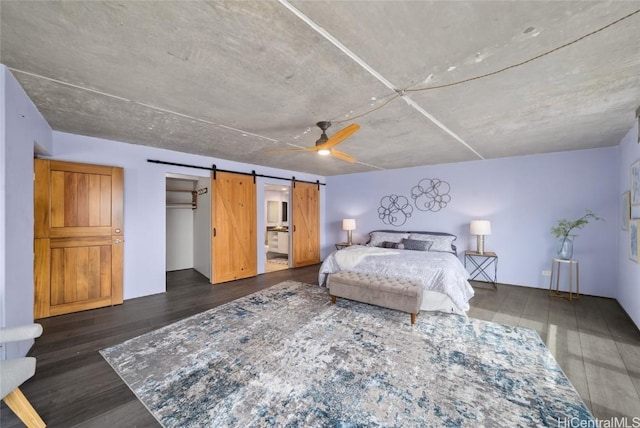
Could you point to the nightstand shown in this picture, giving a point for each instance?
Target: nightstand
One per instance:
(481, 264)
(341, 245)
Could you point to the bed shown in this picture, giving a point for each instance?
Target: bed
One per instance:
(428, 258)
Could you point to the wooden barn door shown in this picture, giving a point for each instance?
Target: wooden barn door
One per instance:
(78, 237)
(305, 215)
(234, 251)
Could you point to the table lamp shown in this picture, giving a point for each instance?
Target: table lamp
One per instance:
(349, 224)
(480, 228)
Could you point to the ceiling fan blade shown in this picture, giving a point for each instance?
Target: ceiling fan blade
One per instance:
(303, 149)
(342, 156)
(339, 136)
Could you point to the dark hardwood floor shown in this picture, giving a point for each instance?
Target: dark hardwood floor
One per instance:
(593, 340)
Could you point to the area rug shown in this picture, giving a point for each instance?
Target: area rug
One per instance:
(286, 357)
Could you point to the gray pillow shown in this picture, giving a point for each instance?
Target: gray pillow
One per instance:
(387, 244)
(439, 242)
(377, 238)
(413, 244)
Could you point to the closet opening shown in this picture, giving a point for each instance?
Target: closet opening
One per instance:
(188, 219)
(277, 236)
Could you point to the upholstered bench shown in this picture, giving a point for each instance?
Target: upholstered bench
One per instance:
(399, 294)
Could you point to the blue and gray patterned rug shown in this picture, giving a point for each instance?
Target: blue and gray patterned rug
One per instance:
(286, 357)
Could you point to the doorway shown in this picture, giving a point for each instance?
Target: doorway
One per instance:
(188, 218)
(277, 237)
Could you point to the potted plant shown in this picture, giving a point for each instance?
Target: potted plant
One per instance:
(562, 231)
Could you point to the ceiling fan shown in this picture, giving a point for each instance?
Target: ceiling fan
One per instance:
(325, 145)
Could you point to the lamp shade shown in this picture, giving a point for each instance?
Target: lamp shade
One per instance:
(480, 227)
(349, 224)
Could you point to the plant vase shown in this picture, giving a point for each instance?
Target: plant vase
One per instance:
(565, 248)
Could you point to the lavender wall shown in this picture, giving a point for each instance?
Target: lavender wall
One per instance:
(144, 200)
(628, 292)
(521, 196)
(23, 129)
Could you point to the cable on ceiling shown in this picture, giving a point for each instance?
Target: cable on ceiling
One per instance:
(493, 73)
(403, 92)
(393, 97)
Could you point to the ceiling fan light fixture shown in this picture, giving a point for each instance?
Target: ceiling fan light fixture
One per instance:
(325, 146)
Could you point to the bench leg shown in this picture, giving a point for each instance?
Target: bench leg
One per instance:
(17, 402)
(333, 300)
(413, 319)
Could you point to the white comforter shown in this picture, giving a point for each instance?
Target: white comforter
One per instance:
(436, 271)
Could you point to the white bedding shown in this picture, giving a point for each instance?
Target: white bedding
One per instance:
(348, 259)
(436, 271)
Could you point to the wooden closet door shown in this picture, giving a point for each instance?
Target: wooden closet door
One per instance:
(306, 224)
(234, 250)
(78, 237)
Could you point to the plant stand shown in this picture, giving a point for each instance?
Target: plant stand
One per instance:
(556, 268)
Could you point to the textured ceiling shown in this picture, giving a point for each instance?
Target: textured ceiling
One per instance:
(235, 79)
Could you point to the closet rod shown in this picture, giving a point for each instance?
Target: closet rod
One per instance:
(252, 174)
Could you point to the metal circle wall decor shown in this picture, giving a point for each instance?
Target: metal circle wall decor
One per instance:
(431, 194)
(394, 210)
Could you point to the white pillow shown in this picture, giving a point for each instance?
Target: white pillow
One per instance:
(440, 242)
(377, 238)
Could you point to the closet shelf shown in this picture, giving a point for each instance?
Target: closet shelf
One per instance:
(194, 199)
